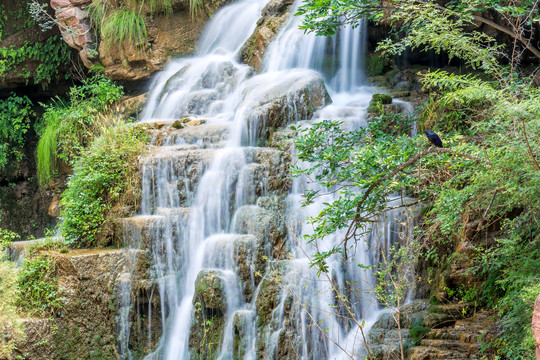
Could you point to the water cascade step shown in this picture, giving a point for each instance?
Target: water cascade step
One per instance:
(220, 212)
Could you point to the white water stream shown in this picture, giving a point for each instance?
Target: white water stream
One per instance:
(202, 185)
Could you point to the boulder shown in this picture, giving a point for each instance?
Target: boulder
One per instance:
(210, 293)
(75, 27)
(293, 96)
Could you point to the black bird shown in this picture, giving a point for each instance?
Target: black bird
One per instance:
(433, 138)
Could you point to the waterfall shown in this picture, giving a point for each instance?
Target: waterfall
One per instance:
(221, 250)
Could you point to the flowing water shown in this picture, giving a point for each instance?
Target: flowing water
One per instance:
(221, 214)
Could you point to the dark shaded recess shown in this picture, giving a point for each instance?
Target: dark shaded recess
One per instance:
(146, 313)
(15, 35)
(377, 33)
(23, 206)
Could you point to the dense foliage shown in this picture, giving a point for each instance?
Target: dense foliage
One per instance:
(486, 182)
(11, 328)
(37, 283)
(105, 176)
(16, 116)
(68, 125)
(40, 62)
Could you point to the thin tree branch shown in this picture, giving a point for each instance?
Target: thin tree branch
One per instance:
(529, 150)
(357, 219)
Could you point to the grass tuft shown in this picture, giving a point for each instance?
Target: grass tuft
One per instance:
(47, 150)
(124, 26)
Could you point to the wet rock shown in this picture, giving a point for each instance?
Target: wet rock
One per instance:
(242, 324)
(178, 124)
(196, 122)
(273, 17)
(296, 96)
(209, 306)
(269, 297)
(382, 99)
(54, 207)
(208, 135)
(210, 293)
(244, 258)
(382, 104)
(158, 124)
(86, 322)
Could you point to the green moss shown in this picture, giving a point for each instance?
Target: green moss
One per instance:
(382, 99)
(418, 331)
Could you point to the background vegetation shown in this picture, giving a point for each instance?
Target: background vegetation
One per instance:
(483, 188)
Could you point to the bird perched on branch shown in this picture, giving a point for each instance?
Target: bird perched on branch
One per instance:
(433, 138)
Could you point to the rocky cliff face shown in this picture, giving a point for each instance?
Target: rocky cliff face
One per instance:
(85, 327)
(173, 34)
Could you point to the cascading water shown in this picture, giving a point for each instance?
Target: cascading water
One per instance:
(209, 196)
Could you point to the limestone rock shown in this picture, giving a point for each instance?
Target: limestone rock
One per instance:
(131, 106)
(196, 122)
(39, 343)
(536, 326)
(210, 293)
(296, 96)
(274, 15)
(460, 340)
(88, 282)
(169, 35)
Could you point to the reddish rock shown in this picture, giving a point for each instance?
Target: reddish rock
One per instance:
(54, 208)
(74, 25)
(536, 326)
(58, 4)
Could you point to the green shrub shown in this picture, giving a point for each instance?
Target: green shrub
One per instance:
(37, 282)
(105, 175)
(68, 126)
(15, 119)
(11, 328)
(418, 331)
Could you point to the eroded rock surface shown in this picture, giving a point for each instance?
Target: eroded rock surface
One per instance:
(75, 27)
(273, 17)
(86, 324)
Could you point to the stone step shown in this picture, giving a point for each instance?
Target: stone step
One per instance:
(454, 345)
(455, 310)
(444, 334)
(207, 135)
(432, 353)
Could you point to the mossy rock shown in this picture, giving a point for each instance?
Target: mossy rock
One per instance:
(209, 291)
(178, 124)
(269, 297)
(382, 99)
